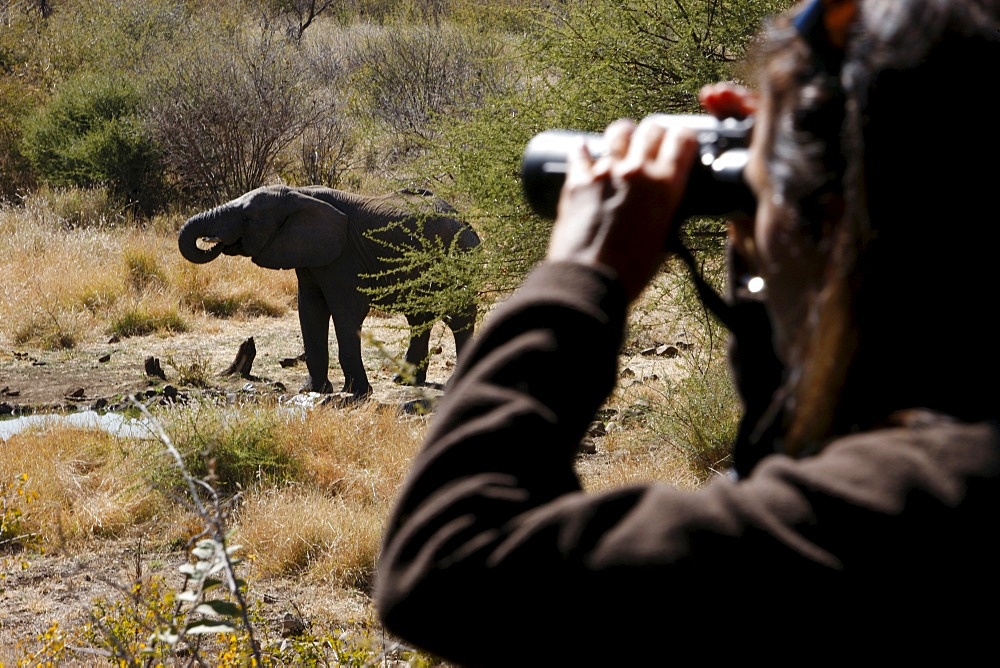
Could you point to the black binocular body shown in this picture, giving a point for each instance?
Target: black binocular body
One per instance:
(715, 186)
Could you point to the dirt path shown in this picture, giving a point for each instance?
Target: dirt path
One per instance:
(40, 381)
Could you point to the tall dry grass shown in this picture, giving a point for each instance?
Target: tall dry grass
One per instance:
(75, 270)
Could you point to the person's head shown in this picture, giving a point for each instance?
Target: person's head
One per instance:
(876, 232)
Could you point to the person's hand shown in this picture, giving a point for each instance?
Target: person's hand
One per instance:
(617, 211)
(727, 100)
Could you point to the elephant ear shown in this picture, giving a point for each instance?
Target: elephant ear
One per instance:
(312, 234)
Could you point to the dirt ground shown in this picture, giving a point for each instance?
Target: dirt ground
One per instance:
(59, 586)
(80, 378)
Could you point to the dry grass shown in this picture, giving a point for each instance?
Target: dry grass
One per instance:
(300, 531)
(73, 279)
(89, 484)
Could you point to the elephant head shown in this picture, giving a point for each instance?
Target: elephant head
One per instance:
(276, 226)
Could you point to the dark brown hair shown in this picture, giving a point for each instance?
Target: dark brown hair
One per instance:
(881, 165)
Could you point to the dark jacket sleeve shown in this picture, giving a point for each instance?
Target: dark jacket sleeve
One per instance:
(493, 546)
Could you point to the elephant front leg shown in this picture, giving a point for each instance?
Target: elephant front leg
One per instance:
(348, 329)
(314, 323)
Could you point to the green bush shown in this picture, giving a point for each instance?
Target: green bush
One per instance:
(20, 91)
(90, 135)
(140, 321)
(235, 450)
(583, 65)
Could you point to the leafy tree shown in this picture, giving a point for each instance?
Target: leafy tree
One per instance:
(586, 63)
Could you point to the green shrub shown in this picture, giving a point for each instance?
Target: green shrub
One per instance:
(234, 447)
(196, 373)
(246, 303)
(90, 135)
(143, 270)
(47, 329)
(139, 322)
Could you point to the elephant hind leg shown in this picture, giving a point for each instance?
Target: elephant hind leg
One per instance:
(462, 326)
(418, 350)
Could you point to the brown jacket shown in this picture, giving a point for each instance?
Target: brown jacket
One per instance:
(881, 546)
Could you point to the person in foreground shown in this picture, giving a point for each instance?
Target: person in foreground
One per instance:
(861, 521)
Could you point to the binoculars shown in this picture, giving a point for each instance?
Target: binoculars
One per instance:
(715, 186)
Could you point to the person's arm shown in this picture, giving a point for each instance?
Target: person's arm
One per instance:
(485, 496)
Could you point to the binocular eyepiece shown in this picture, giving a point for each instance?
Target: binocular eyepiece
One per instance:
(715, 186)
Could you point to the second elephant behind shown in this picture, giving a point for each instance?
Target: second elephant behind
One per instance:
(341, 246)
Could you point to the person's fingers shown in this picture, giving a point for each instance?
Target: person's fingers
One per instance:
(728, 100)
(618, 137)
(579, 163)
(646, 142)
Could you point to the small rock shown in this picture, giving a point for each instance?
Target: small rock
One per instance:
(587, 446)
(76, 393)
(104, 358)
(667, 350)
(291, 626)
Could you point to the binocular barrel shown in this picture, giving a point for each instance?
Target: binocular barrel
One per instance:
(715, 186)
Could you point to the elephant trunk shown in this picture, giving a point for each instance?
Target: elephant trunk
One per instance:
(197, 241)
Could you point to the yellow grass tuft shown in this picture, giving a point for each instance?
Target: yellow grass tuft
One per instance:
(89, 483)
(359, 454)
(301, 530)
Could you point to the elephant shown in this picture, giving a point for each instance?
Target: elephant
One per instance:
(341, 245)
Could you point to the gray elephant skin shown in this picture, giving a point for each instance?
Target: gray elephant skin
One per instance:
(325, 236)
